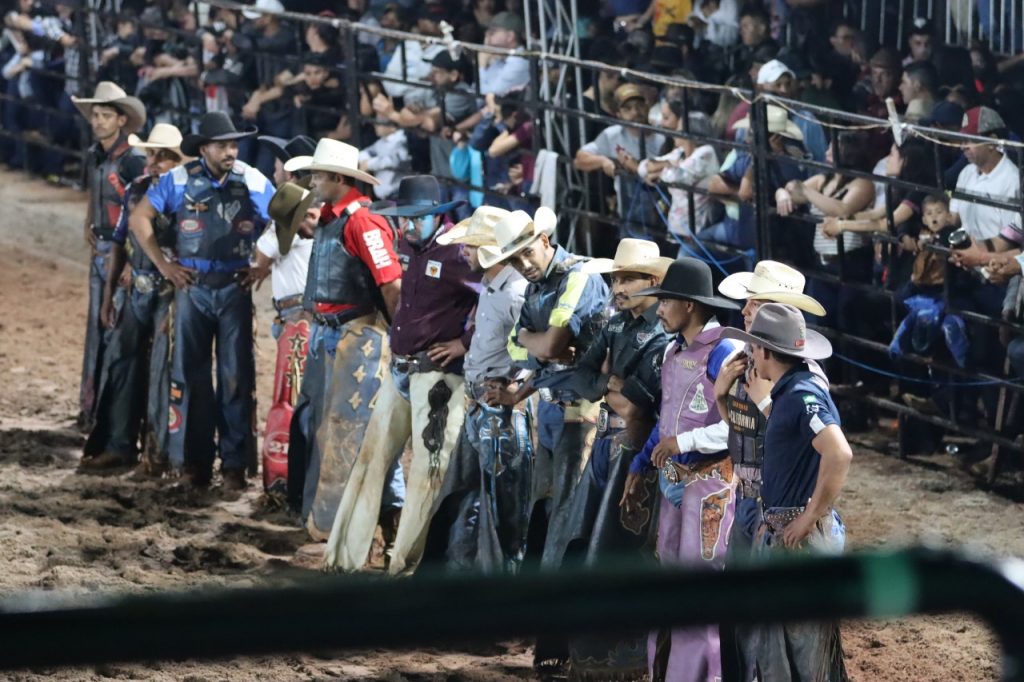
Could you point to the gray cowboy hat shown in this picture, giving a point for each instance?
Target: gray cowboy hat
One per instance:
(781, 329)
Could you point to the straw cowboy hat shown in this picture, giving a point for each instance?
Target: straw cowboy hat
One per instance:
(632, 255)
(771, 281)
(476, 230)
(778, 123)
(215, 126)
(331, 156)
(418, 196)
(689, 279)
(162, 136)
(288, 209)
(781, 329)
(112, 95)
(512, 234)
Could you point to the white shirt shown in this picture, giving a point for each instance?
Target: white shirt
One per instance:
(419, 66)
(1003, 183)
(288, 274)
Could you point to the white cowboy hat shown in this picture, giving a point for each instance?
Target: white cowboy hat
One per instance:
(512, 234)
(778, 122)
(632, 255)
(771, 281)
(111, 94)
(162, 136)
(545, 220)
(262, 6)
(331, 156)
(476, 230)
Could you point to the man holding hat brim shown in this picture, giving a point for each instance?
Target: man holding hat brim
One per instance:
(111, 166)
(135, 326)
(218, 207)
(351, 290)
(689, 447)
(563, 311)
(483, 508)
(424, 396)
(806, 461)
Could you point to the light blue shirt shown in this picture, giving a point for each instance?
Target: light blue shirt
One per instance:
(167, 195)
(502, 76)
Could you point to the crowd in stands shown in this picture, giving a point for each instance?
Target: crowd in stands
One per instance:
(473, 125)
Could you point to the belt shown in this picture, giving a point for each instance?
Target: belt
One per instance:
(607, 420)
(146, 282)
(335, 320)
(777, 518)
(287, 302)
(415, 364)
(475, 390)
(207, 265)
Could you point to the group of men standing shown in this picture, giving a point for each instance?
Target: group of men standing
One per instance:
(552, 421)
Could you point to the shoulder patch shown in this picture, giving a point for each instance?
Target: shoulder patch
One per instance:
(179, 174)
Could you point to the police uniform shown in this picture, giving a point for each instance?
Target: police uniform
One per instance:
(110, 172)
(132, 389)
(215, 225)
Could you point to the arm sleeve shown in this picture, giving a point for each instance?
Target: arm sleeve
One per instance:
(161, 194)
(515, 73)
(267, 243)
(589, 382)
(642, 461)
(374, 245)
(578, 299)
(814, 413)
(643, 386)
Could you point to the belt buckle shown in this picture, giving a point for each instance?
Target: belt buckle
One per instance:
(546, 395)
(602, 419)
(670, 473)
(144, 283)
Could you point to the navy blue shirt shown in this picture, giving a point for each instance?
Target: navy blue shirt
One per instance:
(801, 409)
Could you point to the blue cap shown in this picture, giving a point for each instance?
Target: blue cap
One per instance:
(945, 114)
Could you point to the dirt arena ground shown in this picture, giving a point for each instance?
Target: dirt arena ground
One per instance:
(63, 531)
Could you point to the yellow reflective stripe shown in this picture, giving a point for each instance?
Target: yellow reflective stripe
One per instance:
(576, 282)
(515, 351)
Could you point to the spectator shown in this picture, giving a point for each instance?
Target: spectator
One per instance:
(920, 82)
(387, 159)
(500, 75)
(318, 100)
(715, 22)
(119, 62)
(919, 42)
(883, 84)
(754, 33)
(845, 39)
(621, 146)
(411, 60)
(392, 18)
(727, 103)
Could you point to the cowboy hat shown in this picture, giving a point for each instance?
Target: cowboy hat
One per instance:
(331, 156)
(214, 126)
(111, 94)
(300, 145)
(418, 196)
(288, 209)
(689, 279)
(632, 255)
(162, 136)
(476, 230)
(771, 281)
(778, 123)
(512, 234)
(781, 329)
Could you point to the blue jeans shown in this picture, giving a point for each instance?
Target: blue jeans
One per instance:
(206, 316)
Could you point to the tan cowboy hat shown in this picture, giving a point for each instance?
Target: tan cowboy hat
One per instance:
(632, 255)
(476, 230)
(771, 281)
(331, 156)
(288, 209)
(778, 123)
(512, 234)
(162, 136)
(109, 93)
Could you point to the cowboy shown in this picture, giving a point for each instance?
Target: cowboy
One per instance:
(744, 401)
(481, 519)
(287, 263)
(218, 206)
(424, 398)
(113, 115)
(622, 367)
(696, 508)
(562, 313)
(140, 324)
(353, 282)
(806, 460)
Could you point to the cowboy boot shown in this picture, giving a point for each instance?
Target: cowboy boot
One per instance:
(389, 519)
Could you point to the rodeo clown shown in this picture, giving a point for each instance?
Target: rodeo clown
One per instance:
(351, 291)
(218, 207)
(423, 398)
(110, 164)
(136, 385)
(689, 446)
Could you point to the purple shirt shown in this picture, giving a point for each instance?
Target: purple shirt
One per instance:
(439, 292)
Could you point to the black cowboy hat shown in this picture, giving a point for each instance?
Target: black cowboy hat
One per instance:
(689, 279)
(214, 126)
(300, 145)
(418, 195)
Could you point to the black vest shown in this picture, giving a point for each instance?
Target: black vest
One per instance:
(137, 258)
(335, 275)
(107, 190)
(215, 223)
(746, 427)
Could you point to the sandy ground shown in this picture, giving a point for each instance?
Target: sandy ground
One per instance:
(63, 531)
